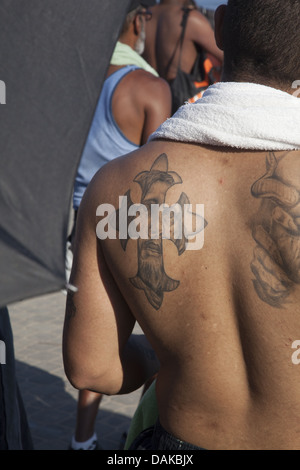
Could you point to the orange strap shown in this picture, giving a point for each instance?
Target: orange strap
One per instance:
(208, 66)
(211, 76)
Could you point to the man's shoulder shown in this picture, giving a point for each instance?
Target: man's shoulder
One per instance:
(196, 20)
(170, 163)
(113, 178)
(144, 75)
(109, 182)
(150, 86)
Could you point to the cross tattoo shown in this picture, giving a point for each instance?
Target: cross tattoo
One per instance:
(151, 276)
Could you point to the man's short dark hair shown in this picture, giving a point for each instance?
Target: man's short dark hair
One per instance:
(262, 41)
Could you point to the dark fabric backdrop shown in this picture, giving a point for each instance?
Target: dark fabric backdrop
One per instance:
(53, 58)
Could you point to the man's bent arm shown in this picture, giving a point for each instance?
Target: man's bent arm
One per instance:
(99, 352)
(139, 362)
(201, 32)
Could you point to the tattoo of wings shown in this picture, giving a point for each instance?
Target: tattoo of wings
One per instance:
(276, 260)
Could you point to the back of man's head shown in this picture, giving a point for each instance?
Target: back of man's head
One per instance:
(262, 41)
(132, 10)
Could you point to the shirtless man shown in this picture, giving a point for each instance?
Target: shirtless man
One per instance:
(222, 319)
(163, 33)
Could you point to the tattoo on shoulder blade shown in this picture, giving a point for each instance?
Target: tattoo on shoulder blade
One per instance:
(276, 261)
(151, 276)
(70, 305)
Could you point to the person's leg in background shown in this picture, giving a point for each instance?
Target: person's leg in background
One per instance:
(85, 437)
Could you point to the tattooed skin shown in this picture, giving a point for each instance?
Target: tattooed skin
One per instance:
(151, 276)
(70, 305)
(276, 262)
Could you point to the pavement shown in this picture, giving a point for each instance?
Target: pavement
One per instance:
(49, 398)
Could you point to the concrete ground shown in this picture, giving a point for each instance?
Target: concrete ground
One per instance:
(49, 399)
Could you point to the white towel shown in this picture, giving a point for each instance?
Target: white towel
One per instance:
(239, 115)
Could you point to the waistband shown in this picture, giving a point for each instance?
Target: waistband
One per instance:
(164, 440)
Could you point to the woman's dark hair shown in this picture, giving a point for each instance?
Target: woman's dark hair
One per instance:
(262, 41)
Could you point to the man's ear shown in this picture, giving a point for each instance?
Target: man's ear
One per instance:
(137, 25)
(219, 24)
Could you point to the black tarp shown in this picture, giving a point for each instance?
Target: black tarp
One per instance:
(54, 56)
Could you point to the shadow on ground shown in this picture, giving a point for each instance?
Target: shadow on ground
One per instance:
(51, 412)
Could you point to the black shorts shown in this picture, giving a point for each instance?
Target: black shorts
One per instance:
(156, 438)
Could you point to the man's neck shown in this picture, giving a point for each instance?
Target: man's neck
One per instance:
(128, 40)
(260, 81)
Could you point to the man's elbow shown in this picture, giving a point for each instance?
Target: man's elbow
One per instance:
(106, 382)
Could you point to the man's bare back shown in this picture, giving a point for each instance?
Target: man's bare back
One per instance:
(223, 334)
(163, 38)
(223, 315)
